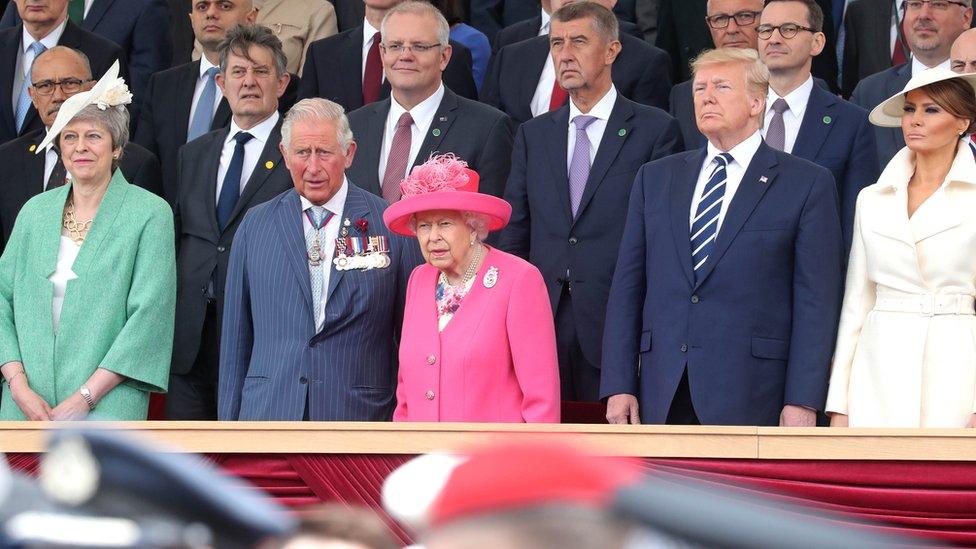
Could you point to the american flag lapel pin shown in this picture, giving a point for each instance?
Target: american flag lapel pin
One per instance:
(762, 179)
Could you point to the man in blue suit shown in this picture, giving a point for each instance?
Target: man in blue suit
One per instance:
(805, 119)
(315, 289)
(724, 302)
(929, 33)
(569, 196)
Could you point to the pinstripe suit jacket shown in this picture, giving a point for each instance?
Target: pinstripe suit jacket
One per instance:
(271, 358)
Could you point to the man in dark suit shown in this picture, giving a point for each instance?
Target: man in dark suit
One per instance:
(539, 26)
(422, 115)
(181, 31)
(725, 298)
(930, 34)
(302, 337)
(806, 120)
(139, 27)
(522, 78)
(347, 68)
(45, 25)
(569, 196)
(221, 175)
(490, 16)
(868, 44)
(26, 174)
(184, 102)
(349, 13)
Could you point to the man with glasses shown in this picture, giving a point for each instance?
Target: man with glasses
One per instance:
(56, 75)
(931, 26)
(422, 115)
(804, 119)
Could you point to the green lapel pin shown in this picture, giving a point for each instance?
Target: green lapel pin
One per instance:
(436, 132)
(827, 120)
(622, 132)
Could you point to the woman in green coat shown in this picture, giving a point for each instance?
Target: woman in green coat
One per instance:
(88, 279)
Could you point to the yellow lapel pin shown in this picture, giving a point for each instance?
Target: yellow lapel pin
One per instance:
(269, 164)
(32, 148)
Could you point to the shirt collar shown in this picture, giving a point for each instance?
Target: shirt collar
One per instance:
(261, 132)
(901, 167)
(918, 67)
(205, 65)
(423, 112)
(796, 99)
(334, 204)
(742, 153)
(544, 27)
(49, 41)
(368, 32)
(601, 110)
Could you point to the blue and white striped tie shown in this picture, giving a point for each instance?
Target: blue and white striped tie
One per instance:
(704, 227)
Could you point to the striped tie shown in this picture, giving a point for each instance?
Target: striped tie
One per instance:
(704, 228)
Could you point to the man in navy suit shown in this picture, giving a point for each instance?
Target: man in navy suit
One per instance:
(490, 16)
(569, 196)
(140, 27)
(539, 26)
(930, 33)
(306, 336)
(725, 298)
(806, 120)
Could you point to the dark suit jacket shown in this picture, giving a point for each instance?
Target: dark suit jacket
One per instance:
(181, 31)
(272, 360)
(203, 250)
(140, 27)
(334, 70)
(490, 16)
(349, 13)
(101, 54)
(523, 30)
(869, 93)
(867, 41)
(22, 176)
(640, 73)
(478, 134)
(543, 229)
(748, 343)
(165, 116)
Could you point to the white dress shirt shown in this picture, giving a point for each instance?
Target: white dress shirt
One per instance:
(327, 241)
(67, 253)
(543, 91)
(741, 157)
(797, 101)
(368, 32)
(50, 159)
(252, 149)
(546, 19)
(423, 116)
(205, 65)
(25, 58)
(595, 130)
(919, 67)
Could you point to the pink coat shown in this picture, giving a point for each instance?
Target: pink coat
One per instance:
(495, 361)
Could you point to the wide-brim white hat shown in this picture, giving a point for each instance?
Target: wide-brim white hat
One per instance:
(109, 91)
(888, 113)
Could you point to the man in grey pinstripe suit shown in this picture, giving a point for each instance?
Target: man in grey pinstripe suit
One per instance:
(304, 336)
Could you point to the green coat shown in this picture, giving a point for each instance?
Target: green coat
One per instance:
(118, 314)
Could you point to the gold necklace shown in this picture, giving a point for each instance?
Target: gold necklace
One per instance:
(77, 230)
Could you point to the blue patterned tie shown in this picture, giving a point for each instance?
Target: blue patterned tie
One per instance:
(230, 190)
(317, 271)
(203, 116)
(24, 100)
(704, 228)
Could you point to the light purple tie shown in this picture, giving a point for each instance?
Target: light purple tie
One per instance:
(776, 133)
(579, 166)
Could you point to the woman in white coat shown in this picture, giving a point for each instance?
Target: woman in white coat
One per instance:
(906, 346)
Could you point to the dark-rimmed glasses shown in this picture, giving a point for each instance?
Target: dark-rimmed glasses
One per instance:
(786, 30)
(941, 5)
(742, 19)
(396, 48)
(67, 85)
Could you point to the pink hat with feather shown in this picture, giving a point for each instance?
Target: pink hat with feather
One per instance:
(444, 182)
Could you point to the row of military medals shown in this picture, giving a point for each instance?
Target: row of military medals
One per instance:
(352, 252)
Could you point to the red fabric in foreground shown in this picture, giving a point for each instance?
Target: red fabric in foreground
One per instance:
(936, 500)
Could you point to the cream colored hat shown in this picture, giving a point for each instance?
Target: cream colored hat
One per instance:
(888, 113)
(109, 91)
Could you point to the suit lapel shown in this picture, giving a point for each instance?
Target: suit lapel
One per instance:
(211, 167)
(288, 219)
(98, 10)
(372, 146)
(816, 124)
(351, 65)
(617, 132)
(938, 214)
(221, 117)
(34, 166)
(184, 96)
(439, 126)
(270, 156)
(682, 189)
(8, 64)
(101, 228)
(535, 63)
(556, 151)
(354, 208)
(759, 175)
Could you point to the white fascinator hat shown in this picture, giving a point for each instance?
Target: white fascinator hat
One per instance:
(109, 91)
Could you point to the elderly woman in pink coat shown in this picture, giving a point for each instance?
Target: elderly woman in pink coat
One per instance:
(478, 342)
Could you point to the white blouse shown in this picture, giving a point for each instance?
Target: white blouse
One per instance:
(67, 254)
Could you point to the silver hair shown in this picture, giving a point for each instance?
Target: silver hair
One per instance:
(478, 223)
(422, 9)
(317, 109)
(115, 119)
(239, 40)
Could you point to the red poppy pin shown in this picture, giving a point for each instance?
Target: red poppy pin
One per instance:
(362, 225)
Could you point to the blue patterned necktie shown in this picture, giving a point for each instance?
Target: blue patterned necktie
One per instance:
(704, 228)
(203, 116)
(579, 166)
(319, 217)
(230, 189)
(24, 100)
